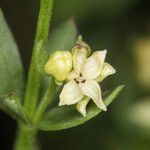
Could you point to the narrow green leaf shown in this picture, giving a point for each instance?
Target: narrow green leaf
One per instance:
(67, 117)
(34, 76)
(10, 104)
(11, 76)
(63, 37)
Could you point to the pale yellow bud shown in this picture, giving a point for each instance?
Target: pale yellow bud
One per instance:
(59, 65)
(82, 47)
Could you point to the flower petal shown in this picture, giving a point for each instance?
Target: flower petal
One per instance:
(81, 106)
(92, 89)
(106, 71)
(79, 58)
(93, 65)
(70, 94)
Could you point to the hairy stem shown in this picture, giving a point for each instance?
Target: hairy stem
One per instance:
(26, 135)
(34, 78)
(26, 138)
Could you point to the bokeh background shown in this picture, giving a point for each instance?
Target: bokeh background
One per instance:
(122, 27)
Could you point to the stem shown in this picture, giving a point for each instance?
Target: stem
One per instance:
(46, 100)
(34, 78)
(25, 138)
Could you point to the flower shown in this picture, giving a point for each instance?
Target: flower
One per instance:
(83, 79)
(59, 65)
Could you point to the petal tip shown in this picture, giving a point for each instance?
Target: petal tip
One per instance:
(84, 114)
(105, 50)
(61, 103)
(113, 71)
(104, 108)
(81, 110)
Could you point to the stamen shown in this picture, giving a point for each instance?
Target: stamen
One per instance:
(83, 81)
(80, 74)
(76, 81)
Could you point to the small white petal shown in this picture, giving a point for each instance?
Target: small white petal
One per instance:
(79, 59)
(93, 65)
(70, 94)
(106, 71)
(92, 89)
(81, 106)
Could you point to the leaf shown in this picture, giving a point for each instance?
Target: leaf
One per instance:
(10, 104)
(11, 76)
(67, 117)
(63, 37)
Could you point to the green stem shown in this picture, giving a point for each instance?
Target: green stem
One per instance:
(26, 135)
(34, 78)
(25, 138)
(46, 100)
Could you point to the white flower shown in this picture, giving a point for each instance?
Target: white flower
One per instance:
(83, 80)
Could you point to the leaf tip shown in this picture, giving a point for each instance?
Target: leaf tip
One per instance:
(121, 87)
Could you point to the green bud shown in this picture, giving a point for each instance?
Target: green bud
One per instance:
(82, 47)
(59, 65)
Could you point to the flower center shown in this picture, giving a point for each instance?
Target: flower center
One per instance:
(80, 79)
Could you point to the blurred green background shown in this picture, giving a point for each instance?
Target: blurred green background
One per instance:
(122, 27)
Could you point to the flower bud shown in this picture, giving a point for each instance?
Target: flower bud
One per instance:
(59, 65)
(82, 47)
